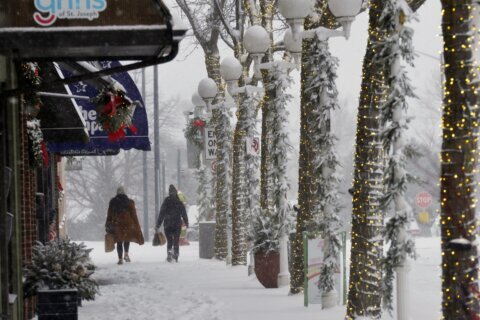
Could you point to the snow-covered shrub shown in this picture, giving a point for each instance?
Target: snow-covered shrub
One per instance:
(60, 264)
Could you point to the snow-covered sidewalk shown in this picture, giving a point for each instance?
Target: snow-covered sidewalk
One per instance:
(197, 289)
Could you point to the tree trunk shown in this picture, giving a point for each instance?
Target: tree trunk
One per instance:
(364, 296)
(459, 160)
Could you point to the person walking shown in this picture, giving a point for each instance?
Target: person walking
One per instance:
(172, 214)
(122, 222)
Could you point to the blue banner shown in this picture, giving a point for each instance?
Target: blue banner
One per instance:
(99, 143)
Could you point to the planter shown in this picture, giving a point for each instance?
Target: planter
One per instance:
(57, 304)
(329, 299)
(267, 268)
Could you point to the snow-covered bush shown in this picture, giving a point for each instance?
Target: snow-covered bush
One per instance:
(60, 264)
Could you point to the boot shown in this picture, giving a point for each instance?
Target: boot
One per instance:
(120, 261)
(126, 258)
(169, 256)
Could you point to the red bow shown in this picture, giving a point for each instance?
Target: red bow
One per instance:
(199, 123)
(111, 106)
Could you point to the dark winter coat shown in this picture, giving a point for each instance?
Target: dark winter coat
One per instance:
(122, 220)
(172, 212)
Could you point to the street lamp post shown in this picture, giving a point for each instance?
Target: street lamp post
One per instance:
(295, 12)
(207, 89)
(242, 200)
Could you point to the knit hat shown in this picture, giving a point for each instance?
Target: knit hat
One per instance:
(120, 190)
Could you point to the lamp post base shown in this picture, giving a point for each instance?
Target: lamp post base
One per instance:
(283, 280)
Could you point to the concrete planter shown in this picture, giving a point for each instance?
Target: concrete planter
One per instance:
(206, 239)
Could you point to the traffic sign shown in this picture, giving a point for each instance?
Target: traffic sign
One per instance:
(423, 199)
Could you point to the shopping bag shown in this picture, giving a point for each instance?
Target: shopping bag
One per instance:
(109, 242)
(159, 239)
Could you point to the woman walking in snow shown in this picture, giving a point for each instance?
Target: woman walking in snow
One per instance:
(172, 213)
(122, 222)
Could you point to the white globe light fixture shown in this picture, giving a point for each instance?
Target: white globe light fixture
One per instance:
(345, 12)
(200, 105)
(231, 71)
(207, 89)
(294, 46)
(256, 41)
(295, 11)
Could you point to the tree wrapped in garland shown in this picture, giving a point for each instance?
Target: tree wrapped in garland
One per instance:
(323, 97)
(115, 113)
(395, 47)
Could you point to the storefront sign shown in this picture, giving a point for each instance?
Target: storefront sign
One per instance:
(99, 143)
(48, 11)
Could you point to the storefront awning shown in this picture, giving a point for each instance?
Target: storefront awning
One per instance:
(61, 120)
(99, 143)
(86, 30)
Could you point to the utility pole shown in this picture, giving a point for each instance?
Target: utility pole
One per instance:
(164, 185)
(145, 173)
(156, 139)
(178, 169)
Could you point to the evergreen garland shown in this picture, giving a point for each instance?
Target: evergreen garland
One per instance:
(273, 221)
(396, 46)
(31, 75)
(252, 172)
(60, 264)
(223, 132)
(205, 203)
(323, 96)
(38, 147)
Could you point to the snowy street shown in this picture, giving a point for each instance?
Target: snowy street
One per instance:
(151, 288)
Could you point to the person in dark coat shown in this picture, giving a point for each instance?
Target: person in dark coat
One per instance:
(172, 213)
(122, 222)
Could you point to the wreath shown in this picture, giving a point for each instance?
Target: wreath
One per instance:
(115, 113)
(194, 131)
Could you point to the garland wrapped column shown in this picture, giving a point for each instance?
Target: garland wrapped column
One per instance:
(459, 166)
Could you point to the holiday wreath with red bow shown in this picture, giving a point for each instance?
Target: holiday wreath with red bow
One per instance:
(194, 131)
(115, 113)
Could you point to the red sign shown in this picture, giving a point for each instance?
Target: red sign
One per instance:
(213, 165)
(423, 199)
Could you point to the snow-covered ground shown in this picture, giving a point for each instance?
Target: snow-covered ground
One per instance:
(198, 289)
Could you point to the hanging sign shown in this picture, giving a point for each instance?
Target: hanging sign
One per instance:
(210, 144)
(253, 146)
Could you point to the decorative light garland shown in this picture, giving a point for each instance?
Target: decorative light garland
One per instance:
(364, 295)
(459, 160)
